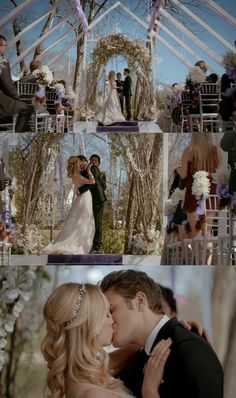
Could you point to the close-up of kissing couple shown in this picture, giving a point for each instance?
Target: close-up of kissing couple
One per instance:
(156, 357)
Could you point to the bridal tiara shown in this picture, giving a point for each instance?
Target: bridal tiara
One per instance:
(82, 291)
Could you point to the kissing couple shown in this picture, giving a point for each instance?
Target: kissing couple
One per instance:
(81, 232)
(159, 357)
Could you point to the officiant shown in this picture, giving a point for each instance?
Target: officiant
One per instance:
(120, 89)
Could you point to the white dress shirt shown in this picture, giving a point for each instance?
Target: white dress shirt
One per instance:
(152, 336)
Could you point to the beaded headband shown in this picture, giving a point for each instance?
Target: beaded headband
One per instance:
(82, 291)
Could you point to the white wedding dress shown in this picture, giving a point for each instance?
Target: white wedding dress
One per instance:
(111, 110)
(76, 235)
(119, 392)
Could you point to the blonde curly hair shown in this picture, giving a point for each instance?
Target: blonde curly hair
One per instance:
(71, 349)
(72, 166)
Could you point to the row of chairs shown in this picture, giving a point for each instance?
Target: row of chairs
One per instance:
(41, 122)
(208, 118)
(216, 245)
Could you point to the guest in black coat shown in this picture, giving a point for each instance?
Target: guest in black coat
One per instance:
(10, 103)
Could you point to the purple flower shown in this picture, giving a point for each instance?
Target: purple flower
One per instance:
(223, 191)
(231, 72)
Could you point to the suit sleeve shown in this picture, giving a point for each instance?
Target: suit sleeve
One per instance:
(228, 141)
(7, 85)
(199, 373)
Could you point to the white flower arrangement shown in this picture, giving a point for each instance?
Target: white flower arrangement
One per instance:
(169, 207)
(31, 241)
(178, 195)
(43, 75)
(59, 87)
(141, 246)
(16, 289)
(201, 184)
(221, 176)
(70, 93)
(178, 88)
(196, 75)
(86, 113)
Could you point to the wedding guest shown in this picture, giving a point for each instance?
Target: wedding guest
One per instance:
(227, 107)
(212, 78)
(30, 78)
(228, 144)
(79, 325)
(200, 155)
(120, 90)
(10, 103)
(169, 305)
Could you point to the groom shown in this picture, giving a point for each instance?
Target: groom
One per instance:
(127, 92)
(192, 368)
(98, 198)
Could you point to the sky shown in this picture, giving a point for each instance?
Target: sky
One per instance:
(167, 68)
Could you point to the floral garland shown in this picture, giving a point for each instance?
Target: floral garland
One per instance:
(16, 285)
(137, 55)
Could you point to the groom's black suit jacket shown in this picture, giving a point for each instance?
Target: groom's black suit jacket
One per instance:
(97, 189)
(192, 369)
(127, 86)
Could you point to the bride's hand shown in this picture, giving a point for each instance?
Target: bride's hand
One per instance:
(190, 325)
(155, 369)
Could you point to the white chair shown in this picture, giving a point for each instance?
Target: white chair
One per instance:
(56, 122)
(10, 126)
(186, 102)
(208, 119)
(206, 247)
(27, 91)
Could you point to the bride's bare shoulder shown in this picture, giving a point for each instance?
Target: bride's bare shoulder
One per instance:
(95, 392)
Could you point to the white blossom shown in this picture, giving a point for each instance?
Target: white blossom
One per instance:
(201, 184)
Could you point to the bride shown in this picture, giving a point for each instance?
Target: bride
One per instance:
(111, 111)
(79, 324)
(76, 235)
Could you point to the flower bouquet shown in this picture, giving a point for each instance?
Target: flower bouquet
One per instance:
(201, 184)
(196, 76)
(154, 245)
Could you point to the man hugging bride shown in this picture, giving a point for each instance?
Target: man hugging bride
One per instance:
(112, 112)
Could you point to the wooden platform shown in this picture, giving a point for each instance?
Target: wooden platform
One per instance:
(127, 126)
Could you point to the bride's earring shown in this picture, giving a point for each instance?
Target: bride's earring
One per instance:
(98, 356)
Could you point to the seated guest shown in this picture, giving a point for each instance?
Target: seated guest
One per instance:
(30, 78)
(212, 78)
(228, 107)
(10, 103)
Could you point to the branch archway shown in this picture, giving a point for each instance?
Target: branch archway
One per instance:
(138, 56)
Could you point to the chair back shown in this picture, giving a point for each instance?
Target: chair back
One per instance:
(50, 100)
(217, 219)
(26, 91)
(210, 96)
(186, 101)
